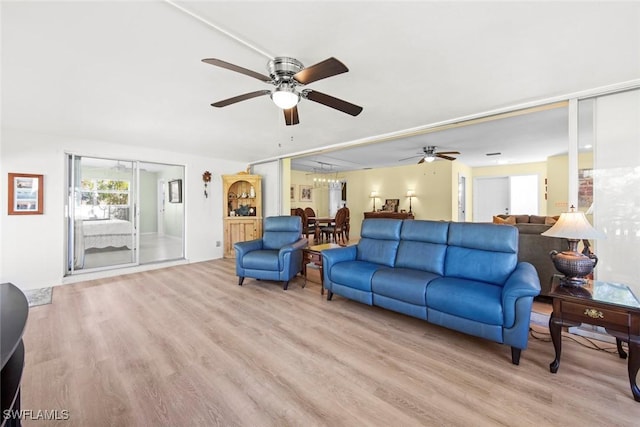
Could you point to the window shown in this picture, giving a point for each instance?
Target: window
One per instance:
(103, 198)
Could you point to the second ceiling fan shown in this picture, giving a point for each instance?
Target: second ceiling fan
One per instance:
(287, 75)
(429, 154)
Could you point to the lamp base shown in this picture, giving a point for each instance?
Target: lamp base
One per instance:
(573, 281)
(574, 265)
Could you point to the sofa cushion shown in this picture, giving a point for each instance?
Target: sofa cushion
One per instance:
(423, 245)
(381, 228)
(355, 274)
(403, 284)
(469, 299)
(379, 241)
(484, 252)
(425, 231)
(537, 219)
(508, 220)
(280, 231)
(521, 218)
(261, 260)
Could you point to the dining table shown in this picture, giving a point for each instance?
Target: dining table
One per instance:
(319, 222)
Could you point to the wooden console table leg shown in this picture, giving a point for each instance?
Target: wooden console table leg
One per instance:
(621, 351)
(555, 328)
(633, 367)
(304, 271)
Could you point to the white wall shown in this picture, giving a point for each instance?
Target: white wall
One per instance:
(271, 187)
(32, 246)
(174, 212)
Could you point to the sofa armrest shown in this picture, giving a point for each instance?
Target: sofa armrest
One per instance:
(288, 249)
(334, 256)
(243, 248)
(523, 282)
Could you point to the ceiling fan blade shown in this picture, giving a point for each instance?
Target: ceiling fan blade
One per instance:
(239, 98)
(442, 156)
(448, 152)
(321, 70)
(291, 116)
(237, 69)
(421, 161)
(333, 102)
(412, 157)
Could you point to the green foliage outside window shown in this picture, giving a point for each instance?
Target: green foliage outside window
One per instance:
(105, 192)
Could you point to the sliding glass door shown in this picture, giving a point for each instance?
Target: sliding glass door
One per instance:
(161, 212)
(609, 181)
(122, 213)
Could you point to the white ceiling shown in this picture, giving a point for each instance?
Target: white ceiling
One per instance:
(131, 71)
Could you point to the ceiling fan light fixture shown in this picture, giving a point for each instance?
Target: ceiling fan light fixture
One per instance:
(429, 158)
(285, 97)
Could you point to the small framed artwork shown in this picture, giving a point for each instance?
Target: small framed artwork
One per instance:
(293, 193)
(391, 205)
(26, 194)
(305, 193)
(175, 191)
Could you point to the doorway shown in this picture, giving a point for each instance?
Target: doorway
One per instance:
(462, 198)
(116, 214)
(504, 195)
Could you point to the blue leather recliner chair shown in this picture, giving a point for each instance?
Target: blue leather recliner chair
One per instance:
(277, 255)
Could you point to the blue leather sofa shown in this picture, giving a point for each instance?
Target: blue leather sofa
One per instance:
(463, 276)
(277, 255)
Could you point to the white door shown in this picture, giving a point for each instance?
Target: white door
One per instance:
(462, 198)
(335, 198)
(490, 197)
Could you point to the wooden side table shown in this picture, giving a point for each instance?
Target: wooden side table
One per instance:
(314, 254)
(609, 305)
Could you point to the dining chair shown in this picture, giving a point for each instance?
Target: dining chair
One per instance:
(338, 229)
(308, 227)
(347, 225)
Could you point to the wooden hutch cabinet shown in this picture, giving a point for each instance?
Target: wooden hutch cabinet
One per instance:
(242, 209)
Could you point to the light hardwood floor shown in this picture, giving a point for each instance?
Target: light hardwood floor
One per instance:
(187, 346)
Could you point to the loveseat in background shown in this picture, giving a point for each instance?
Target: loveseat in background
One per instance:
(534, 248)
(463, 276)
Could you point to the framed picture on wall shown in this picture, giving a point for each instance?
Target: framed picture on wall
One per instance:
(305, 193)
(26, 194)
(293, 193)
(175, 191)
(391, 205)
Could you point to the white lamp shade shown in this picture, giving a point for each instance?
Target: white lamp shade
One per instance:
(411, 193)
(573, 225)
(285, 97)
(373, 194)
(429, 159)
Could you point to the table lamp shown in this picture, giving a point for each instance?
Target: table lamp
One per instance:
(373, 196)
(410, 194)
(575, 266)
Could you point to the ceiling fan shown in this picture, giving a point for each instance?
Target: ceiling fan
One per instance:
(287, 74)
(429, 154)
